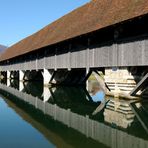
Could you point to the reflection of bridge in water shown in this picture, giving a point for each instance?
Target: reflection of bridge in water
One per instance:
(119, 112)
(52, 130)
(87, 125)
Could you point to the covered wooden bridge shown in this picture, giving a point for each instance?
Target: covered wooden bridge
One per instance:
(101, 35)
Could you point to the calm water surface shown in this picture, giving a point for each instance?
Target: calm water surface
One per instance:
(36, 117)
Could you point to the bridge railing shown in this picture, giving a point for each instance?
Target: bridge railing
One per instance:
(133, 53)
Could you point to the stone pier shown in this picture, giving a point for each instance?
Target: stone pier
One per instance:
(119, 78)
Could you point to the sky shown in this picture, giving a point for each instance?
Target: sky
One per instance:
(21, 18)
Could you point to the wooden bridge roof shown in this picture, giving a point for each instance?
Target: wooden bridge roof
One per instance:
(92, 16)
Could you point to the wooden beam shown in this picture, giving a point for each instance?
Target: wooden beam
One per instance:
(139, 85)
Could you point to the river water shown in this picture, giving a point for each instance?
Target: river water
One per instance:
(68, 117)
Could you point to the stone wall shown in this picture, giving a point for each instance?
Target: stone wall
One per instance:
(120, 78)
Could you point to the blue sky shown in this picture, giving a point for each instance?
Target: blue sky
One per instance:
(20, 18)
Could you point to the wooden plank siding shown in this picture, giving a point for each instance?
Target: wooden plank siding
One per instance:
(122, 54)
(133, 54)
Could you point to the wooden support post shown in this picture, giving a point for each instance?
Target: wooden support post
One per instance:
(21, 86)
(87, 74)
(46, 94)
(46, 76)
(139, 85)
(69, 58)
(101, 80)
(21, 75)
(8, 74)
(143, 119)
(55, 60)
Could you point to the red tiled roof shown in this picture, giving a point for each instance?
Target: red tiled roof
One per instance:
(92, 16)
